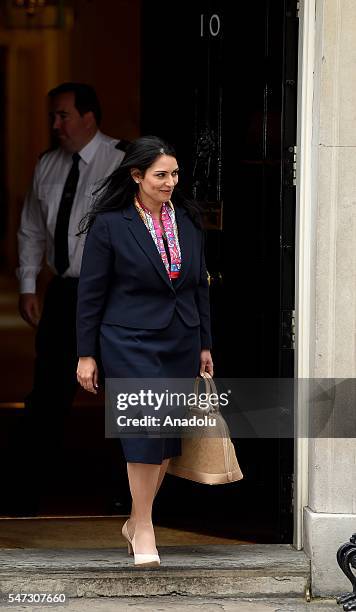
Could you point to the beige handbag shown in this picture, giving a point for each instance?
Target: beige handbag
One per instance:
(208, 458)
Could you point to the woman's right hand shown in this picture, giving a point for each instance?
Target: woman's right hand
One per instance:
(87, 374)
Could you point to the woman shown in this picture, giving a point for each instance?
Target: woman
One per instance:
(143, 303)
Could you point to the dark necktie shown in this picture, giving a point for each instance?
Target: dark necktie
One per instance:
(61, 260)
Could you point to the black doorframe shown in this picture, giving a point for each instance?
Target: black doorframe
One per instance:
(288, 189)
(219, 81)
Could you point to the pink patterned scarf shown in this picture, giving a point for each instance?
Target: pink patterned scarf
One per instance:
(169, 223)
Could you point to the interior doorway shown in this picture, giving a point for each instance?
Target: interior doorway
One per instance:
(219, 81)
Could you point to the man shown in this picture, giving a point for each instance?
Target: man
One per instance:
(62, 190)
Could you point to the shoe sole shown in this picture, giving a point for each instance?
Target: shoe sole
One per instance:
(148, 564)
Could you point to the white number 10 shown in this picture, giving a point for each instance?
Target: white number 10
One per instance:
(214, 25)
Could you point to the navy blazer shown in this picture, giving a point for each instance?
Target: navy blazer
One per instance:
(123, 280)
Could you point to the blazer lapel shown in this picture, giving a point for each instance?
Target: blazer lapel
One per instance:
(145, 241)
(185, 235)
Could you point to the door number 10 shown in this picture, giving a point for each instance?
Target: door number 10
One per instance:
(212, 25)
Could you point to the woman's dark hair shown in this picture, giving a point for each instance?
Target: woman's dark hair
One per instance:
(119, 189)
(85, 98)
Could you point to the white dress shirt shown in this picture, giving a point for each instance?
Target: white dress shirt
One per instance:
(39, 216)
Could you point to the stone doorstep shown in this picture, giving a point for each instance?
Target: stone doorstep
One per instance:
(231, 570)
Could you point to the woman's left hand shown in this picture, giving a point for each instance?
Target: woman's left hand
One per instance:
(206, 362)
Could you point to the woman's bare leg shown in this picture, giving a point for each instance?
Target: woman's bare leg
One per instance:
(161, 474)
(143, 480)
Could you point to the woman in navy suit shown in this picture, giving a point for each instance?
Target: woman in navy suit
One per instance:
(143, 304)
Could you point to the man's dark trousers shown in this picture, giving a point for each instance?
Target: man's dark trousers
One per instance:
(55, 384)
(48, 405)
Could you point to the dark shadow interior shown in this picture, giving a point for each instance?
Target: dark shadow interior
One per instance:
(218, 80)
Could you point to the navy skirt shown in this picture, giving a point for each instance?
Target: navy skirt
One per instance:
(173, 352)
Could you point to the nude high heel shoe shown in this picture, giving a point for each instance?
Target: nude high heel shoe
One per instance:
(143, 559)
(126, 535)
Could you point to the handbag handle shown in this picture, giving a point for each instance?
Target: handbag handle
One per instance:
(212, 384)
(227, 449)
(209, 387)
(197, 382)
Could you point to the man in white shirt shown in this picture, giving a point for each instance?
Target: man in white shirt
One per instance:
(61, 194)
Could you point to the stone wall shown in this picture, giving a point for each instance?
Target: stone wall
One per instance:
(330, 518)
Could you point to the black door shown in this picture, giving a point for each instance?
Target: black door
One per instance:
(219, 82)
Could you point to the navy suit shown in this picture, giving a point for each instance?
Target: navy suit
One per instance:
(141, 323)
(123, 280)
